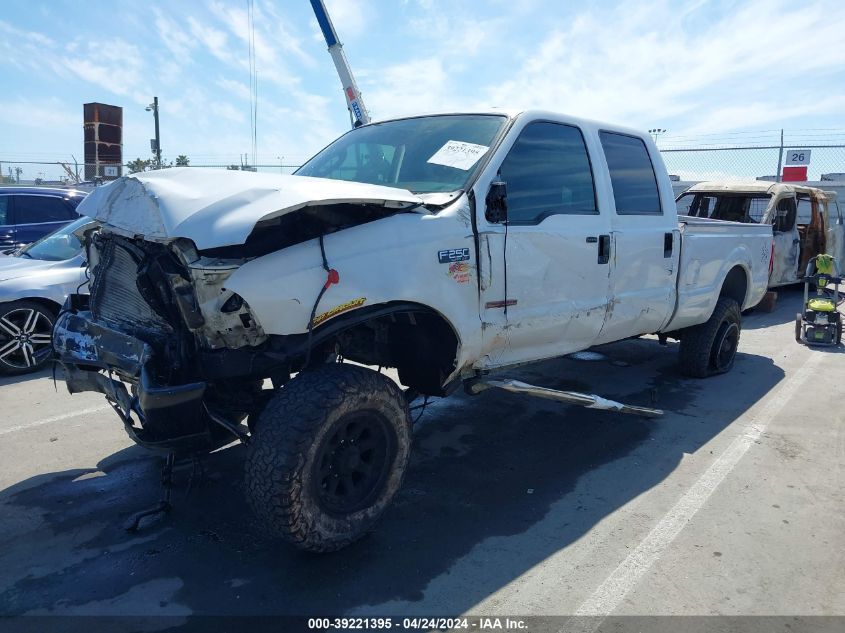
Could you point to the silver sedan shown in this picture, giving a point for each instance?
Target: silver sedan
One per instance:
(34, 283)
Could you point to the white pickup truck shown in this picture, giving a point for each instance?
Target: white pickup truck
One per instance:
(445, 246)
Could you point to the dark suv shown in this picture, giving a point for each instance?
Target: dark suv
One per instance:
(29, 213)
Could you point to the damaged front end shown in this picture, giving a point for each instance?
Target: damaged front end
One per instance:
(178, 355)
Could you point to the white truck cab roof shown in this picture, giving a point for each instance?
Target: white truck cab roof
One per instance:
(776, 189)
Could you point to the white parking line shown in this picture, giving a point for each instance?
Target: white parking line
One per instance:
(610, 594)
(56, 418)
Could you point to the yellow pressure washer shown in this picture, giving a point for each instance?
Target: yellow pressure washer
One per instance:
(820, 323)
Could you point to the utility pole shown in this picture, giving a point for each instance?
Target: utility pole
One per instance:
(156, 143)
(780, 158)
(656, 132)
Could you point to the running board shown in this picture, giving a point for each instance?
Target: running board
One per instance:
(572, 397)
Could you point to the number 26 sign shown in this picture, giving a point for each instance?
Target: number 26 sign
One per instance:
(798, 157)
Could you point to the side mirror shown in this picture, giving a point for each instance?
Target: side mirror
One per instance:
(497, 203)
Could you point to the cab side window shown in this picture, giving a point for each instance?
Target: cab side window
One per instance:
(703, 206)
(631, 174)
(805, 209)
(4, 210)
(37, 209)
(784, 216)
(547, 172)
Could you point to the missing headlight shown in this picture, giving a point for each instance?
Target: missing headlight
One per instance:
(232, 304)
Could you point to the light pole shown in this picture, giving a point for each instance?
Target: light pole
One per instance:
(281, 165)
(156, 143)
(655, 132)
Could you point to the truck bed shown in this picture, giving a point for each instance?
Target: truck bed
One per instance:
(709, 248)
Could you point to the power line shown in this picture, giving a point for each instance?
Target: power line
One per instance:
(253, 80)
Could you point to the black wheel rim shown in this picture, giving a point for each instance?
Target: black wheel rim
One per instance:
(354, 462)
(25, 338)
(727, 342)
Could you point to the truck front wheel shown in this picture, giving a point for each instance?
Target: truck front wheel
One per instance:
(710, 348)
(329, 454)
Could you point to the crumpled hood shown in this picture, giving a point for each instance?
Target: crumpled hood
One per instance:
(219, 207)
(15, 267)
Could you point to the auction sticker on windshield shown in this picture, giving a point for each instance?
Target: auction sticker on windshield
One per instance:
(458, 154)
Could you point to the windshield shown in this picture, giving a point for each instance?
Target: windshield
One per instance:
(748, 208)
(58, 245)
(423, 155)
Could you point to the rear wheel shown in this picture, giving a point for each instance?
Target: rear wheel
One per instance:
(328, 456)
(710, 348)
(25, 336)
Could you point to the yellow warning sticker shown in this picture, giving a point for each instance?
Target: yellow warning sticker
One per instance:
(343, 307)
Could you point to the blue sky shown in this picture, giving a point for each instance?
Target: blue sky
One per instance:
(692, 67)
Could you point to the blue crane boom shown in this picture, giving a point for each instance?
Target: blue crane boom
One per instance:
(354, 102)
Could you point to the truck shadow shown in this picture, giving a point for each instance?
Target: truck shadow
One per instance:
(6, 379)
(498, 484)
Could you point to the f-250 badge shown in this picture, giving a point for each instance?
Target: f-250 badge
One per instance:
(451, 255)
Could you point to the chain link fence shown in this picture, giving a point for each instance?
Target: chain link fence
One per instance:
(743, 163)
(686, 164)
(66, 174)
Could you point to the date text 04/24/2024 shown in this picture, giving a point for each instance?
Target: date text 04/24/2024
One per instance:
(418, 623)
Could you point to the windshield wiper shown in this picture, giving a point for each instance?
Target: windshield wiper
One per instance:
(25, 254)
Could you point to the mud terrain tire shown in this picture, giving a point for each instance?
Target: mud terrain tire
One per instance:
(710, 348)
(329, 455)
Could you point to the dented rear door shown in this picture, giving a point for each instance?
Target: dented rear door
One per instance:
(646, 239)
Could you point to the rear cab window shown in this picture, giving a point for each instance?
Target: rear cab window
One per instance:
(805, 209)
(835, 211)
(5, 216)
(631, 174)
(785, 214)
(748, 208)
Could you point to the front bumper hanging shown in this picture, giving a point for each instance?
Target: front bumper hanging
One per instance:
(78, 339)
(589, 401)
(90, 352)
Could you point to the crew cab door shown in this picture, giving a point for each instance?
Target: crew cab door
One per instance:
(545, 271)
(835, 232)
(646, 242)
(787, 242)
(7, 224)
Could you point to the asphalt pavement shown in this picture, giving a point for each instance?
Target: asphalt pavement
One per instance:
(730, 504)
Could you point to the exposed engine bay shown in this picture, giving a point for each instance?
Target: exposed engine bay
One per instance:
(159, 315)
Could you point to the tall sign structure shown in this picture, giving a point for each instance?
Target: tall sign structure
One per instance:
(797, 164)
(103, 125)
